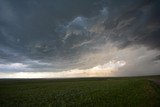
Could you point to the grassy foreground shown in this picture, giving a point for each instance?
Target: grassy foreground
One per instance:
(93, 92)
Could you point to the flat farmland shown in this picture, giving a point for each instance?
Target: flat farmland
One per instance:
(81, 92)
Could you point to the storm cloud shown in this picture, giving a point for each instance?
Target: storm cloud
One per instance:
(71, 37)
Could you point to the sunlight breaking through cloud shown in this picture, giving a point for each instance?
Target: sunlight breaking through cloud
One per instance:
(106, 69)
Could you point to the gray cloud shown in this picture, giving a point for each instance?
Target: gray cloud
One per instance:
(58, 35)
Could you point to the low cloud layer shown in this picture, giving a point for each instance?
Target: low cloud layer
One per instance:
(131, 61)
(68, 38)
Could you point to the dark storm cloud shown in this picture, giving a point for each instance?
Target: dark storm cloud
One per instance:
(157, 58)
(30, 26)
(136, 22)
(55, 34)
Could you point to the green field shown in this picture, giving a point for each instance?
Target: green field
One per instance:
(92, 92)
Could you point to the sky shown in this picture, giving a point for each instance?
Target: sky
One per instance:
(79, 38)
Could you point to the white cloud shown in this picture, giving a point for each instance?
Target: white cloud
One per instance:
(13, 67)
(81, 24)
(106, 69)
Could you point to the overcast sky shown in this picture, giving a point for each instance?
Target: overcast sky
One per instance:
(79, 38)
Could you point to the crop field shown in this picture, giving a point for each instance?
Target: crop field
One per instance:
(82, 92)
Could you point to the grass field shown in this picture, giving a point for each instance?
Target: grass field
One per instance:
(92, 92)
